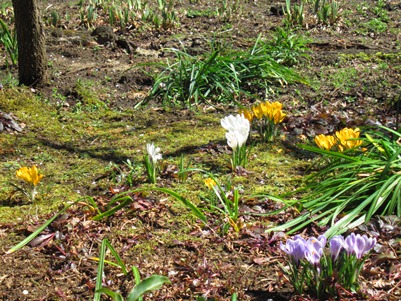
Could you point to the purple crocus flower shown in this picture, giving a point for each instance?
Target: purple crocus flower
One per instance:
(359, 245)
(297, 248)
(315, 249)
(336, 244)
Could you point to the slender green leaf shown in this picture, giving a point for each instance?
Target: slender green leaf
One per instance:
(40, 229)
(328, 153)
(126, 201)
(151, 283)
(195, 210)
(116, 257)
(110, 293)
(137, 276)
(100, 271)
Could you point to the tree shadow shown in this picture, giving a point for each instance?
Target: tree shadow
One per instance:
(102, 153)
(259, 295)
(213, 147)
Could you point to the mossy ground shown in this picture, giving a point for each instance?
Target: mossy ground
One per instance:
(84, 154)
(76, 151)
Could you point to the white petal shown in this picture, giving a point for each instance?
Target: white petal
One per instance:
(238, 128)
(150, 148)
(241, 138)
(228, 122)
(232, 140)
(153, 152)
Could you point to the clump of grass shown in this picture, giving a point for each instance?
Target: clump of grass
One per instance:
(356, 184)
(326, 12)
(226, 10)
(166, 17)
(160, 15)
(375, 25)
(220, 75)
(288, 47)
(8, 38)
(294, 14)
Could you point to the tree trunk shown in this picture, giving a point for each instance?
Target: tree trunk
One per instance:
(32, 63)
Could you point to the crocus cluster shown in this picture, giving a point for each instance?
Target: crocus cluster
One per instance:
(344, 139)
(300, 248)
(353, 244)
(238, 128)
(272, 111)
(151, 157)
(269, 115)
(312, 270)
(31, 176)
(153, 153)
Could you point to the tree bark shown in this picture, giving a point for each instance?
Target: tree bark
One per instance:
(32, 62)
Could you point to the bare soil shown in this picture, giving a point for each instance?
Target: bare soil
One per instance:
(355, 75)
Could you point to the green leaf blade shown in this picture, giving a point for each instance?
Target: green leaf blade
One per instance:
(151, 283)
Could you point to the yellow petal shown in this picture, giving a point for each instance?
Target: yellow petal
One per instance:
(279, 116)
(325, 142)
(29, 175)
(23, 173)
(277, 105)
(35, 176)
(210, 183)
(266, 108)
(257, 110)
(346, 134)
(247, 114)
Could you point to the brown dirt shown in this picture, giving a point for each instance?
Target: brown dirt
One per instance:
(202, 263)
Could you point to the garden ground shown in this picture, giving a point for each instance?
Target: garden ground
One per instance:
(82, 128)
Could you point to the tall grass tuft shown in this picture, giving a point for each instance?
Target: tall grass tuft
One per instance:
(355, 185)
(220, 76)
(8, 38)
(294, 14)
(288, 47)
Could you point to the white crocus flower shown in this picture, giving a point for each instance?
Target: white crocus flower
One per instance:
(153, 153)
(236, 123)
(229, 123)
(232, 140)
(236, 139)
(238, 128)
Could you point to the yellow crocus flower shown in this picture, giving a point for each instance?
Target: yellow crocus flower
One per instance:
(247, 114)
(277, 105)
(266, 108)
(345, 134)
(272, 110)
(257, 111)
(210, 183)
(325, 141)
(279, 116)
(29, 175)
